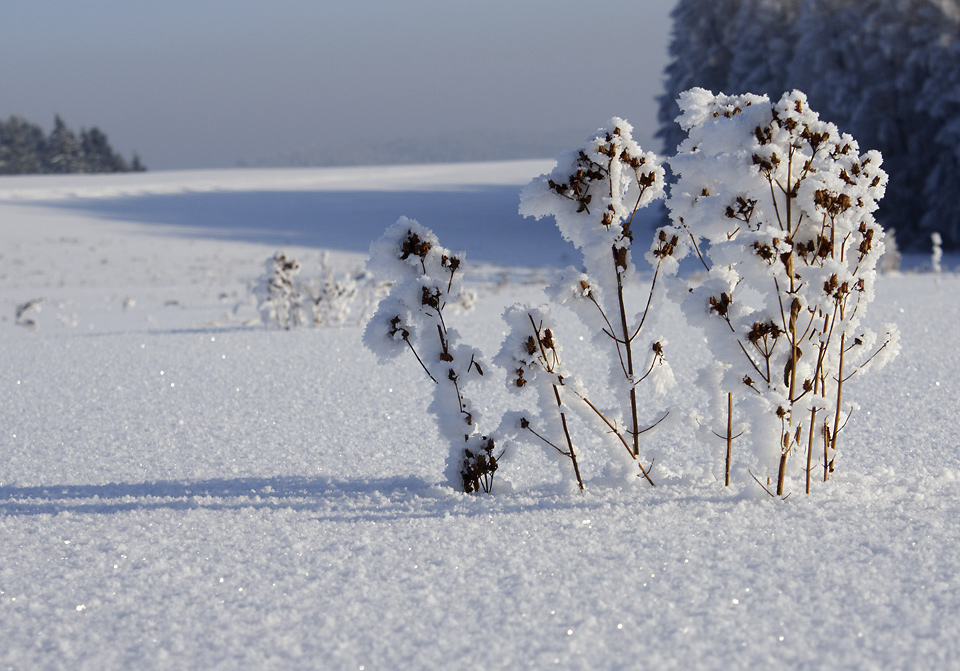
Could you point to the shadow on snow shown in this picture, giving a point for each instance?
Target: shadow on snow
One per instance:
(483, 222)
(327, 498)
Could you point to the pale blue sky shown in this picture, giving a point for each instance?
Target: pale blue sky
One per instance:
(206, 83)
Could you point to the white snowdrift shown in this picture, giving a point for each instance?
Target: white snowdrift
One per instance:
(181, 489)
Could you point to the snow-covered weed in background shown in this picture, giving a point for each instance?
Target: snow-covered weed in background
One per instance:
(594, 194)
(891, 258)
(24, 313)
(936, 254)
(331, 295)
(286, 298)
(426, 281)
(784, 203)
(279, 297)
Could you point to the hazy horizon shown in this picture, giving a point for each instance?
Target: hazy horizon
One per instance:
(194, 85)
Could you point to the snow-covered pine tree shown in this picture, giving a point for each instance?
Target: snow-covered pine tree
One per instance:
(937, 68)
(62, 150)
(762, 47)
(700, 52)
(21, 147)
(877, 68)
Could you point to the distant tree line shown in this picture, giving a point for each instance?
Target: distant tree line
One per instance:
(26, 149)
(885, 71)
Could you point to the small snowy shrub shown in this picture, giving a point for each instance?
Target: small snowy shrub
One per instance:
(784, 203)
(413, 317)
(594, 194)
(24, 311)
(331, 296)
(280, 300)
(936, 254)
(286, 298)
(891, 258)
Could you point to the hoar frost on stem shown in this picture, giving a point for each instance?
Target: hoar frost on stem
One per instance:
(784, 202)
(412, 318)
(594, 194)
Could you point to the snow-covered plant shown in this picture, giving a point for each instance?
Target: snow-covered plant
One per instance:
(784, 202)
(412, 318)
(936, 253)
(24, 311)
(332, 295)
(891, 258)
(594, 194)
(279, 297)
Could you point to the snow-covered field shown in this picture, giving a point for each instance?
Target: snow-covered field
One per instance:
(183, 488)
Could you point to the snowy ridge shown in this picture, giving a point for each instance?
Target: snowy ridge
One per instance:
(381, 178)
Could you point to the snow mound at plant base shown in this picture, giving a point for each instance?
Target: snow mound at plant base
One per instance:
(181, 488)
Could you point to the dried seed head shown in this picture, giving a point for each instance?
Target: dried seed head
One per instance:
(547, 339)
(720, 305)
(413, 246)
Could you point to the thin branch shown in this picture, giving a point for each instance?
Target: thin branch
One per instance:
(419, 360)
(654, 425)
(653, 286)
(615, 432)
(772, 495)
(528, 428)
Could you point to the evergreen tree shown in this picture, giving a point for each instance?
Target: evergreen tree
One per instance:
(762, 47)
(98, 156)
(62, 151)
(703, 33)
(887, 71)
(21, 147)
(941, 97)
(25, 149)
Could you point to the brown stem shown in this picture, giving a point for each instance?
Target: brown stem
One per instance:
(422, 365)
(826, 450)
(836, 419)
(566, 432)
(629, 352)
(726, 478)
(813, 420)
(782, 472)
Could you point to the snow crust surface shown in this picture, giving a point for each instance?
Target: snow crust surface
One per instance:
(182, 488)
